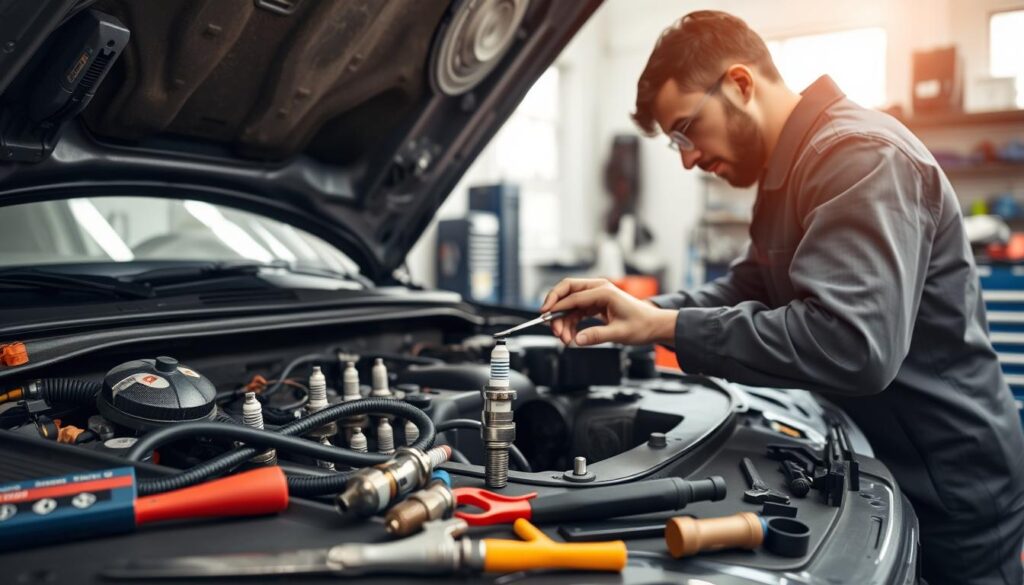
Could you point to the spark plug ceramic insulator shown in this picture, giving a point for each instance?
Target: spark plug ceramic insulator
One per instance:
(385, 437)
(350, 392)
(379, 379)
(412, 432)
(499, 429)
(358, 441)
(373, 489)
(252, 416)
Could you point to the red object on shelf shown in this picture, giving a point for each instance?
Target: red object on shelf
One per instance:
(1011, 251)
(251, 493)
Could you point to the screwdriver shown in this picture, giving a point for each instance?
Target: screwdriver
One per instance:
(544, 318)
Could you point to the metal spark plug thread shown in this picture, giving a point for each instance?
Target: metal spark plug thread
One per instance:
(350, 392)
(385, 437)
(499, 429)
(252, 416)
(373, 489)
(358, 441)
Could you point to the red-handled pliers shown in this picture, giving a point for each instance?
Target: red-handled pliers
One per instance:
(497, 508)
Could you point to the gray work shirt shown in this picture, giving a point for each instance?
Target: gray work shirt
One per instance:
(859, 283)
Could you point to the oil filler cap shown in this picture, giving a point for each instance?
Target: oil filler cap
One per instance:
(148, 393)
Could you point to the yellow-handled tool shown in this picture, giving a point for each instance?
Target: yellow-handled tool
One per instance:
(537, 551)
(436, 550)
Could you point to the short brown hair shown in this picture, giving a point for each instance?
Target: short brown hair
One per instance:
(694, 52)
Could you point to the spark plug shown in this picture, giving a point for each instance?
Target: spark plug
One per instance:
(385, 437)
(252, 416)
(498, 430)
(381, 389)
(358, 441)
(350, 392)
(373, 489)
(317, 402)
(412, 432)
(433, 502)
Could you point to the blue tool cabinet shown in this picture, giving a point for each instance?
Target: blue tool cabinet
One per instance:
(1002, 287)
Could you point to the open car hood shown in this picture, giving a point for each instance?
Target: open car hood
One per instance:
(352, 119)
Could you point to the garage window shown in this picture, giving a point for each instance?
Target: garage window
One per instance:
(1006, 46)
(854, 58)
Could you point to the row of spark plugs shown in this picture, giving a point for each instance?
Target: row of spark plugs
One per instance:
(252, 414)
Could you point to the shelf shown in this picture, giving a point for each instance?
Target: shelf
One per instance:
(943, 121)
(994, 170)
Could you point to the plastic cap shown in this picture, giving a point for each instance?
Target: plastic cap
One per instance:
(166, 364)
(14, 354)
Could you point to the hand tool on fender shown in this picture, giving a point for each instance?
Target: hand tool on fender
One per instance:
(759, 491)
(98, 503)
(435, 551)
(544, 318)
(687, 536)
(597, 503)
(797, 481)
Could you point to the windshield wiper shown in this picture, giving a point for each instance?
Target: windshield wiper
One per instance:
(16, 278)
(165, 278)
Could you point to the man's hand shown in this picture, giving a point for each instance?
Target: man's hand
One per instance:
(627, 319)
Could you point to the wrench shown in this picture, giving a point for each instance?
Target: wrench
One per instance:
(759, 491)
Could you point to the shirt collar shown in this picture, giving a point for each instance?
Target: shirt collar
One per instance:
(816, 98)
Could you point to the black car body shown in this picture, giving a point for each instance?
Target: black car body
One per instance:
(350, 121)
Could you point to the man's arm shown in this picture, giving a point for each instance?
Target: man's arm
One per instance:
(741, 283)
(858, 274)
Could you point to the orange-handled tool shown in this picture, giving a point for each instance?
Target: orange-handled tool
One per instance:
(537, 551)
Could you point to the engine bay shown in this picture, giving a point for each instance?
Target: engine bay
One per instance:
(361, 426)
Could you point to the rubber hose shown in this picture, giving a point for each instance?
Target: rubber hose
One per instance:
(467, 423)
(317, 486)
(69, 390)
(312, 357)
(231, 459)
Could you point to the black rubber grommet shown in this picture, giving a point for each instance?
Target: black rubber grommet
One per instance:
(166, 364)
(787, 537)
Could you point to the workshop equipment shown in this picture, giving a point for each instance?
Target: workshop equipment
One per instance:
(434, 502)
(434, 551)
(642, 497)
(499, 429)
(686, 536)
(544, 318)
(99, 503)
(374, 489)
(759, 491)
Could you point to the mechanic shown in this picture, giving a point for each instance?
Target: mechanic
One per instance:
(859, 283)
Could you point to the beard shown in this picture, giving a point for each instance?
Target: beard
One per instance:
(747, 143)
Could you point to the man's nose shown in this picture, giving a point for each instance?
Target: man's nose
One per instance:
(690, 157)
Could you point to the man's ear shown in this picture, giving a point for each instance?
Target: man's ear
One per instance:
(743, 78)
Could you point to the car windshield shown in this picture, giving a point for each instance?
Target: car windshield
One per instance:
(131, 229)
